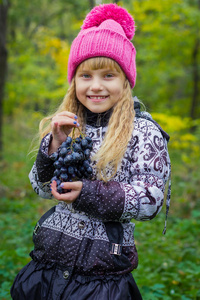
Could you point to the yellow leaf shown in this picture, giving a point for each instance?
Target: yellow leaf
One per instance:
(175, 282)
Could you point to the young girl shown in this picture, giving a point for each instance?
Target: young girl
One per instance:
(84, 246)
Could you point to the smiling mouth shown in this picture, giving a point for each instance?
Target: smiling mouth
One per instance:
(97, 97)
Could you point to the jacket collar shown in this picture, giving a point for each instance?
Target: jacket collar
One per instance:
(98, 119)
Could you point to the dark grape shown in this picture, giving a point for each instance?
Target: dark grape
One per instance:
(70, 170)
(56, 173)
(54, 156)
(90, 146)
(77, 147)
(57, 164)
(73, 161)
(55, 178)
(58, 181)
(82, 169)
(59, 189)
(68, 140)
(81, 156)
(86, 175)
(64, 177)
(78, 174)
(78, 140)
(63, 170)
(86, 164)
(84, 144)
(76, 157)
(89, 170)
(87, 153)
(63, 151)
(88, 138)
(68, 159)
(61, 160)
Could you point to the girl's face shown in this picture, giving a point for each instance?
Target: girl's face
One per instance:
(100, 89)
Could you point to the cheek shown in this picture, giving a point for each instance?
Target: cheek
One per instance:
(79, 96)
(119, 91)
(79, 90)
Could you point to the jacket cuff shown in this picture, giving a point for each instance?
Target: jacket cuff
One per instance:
(101, 200)
(44, 163)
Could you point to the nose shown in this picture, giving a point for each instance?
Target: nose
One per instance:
(96, 85)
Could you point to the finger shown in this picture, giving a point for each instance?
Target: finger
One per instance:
(54, 191)
(69, 197)
(62, 127)
(55, 128)
(53, 185)
(75, 185)
(64, 121)
(67, 114)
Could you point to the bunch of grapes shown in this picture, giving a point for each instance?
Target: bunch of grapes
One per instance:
(72, 163)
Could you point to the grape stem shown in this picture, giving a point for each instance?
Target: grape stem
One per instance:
(73, 133)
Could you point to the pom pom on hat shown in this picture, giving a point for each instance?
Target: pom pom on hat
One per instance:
(112, 11)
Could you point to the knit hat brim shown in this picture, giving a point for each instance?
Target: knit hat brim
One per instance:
(91, 44)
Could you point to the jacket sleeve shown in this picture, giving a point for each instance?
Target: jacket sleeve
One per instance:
(140, 194)
(42, 170)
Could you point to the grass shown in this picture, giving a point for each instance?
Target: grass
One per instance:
(169, 266)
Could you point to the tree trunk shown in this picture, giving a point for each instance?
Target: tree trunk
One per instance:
(195, 96)
(91, 4)
(3, 63)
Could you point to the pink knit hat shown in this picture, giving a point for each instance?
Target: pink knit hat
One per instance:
(106, 31)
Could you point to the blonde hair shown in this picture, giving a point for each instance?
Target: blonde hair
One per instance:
(120, 126)
(70, 103)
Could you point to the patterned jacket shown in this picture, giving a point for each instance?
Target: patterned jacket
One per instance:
(95, 235)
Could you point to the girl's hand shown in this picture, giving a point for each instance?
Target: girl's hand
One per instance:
(61, 126)
(69, 197)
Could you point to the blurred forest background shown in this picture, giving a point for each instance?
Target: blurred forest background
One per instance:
(35, 38)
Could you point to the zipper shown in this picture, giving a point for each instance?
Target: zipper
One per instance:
(98, 120)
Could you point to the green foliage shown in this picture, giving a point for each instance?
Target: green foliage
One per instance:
(165, 39)
(39, 37)
(181, 136)
(169, 265)
(35, 80)
(20, 207)
(184, 148)
(166, 34)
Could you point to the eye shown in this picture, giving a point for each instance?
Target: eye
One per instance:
(85, 75)
(109, 75)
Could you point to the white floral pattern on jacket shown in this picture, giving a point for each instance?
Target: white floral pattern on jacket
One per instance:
(135, 192)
